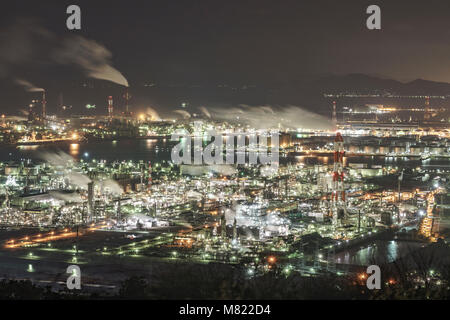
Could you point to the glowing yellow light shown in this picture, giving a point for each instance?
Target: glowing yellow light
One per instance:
(272, 259)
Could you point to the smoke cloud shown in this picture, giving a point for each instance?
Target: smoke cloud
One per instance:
(111, 186)
(205, 112)
(28, 86)
(93, 58)
(16, 118)
(58, 158)
(26, 43)
(224, 169)
(67, 197)
(264, 117)
(20, 43)
(153, 113)
(78, 179)
(183, 113)
(64, 161)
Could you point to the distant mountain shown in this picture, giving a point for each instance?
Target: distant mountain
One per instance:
(427, 87)
(358, 82)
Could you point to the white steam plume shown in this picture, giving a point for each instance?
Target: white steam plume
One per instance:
(224, 169)
(205, 112)
(111, 186)
(28, 86)
(267, 109)
(16, 118)
(264, 117)
(92, 57)
(153, 113)
(58, 158)
(67, 197)
(78, 179)
(26, 42)
(183, 113)
(64, 161)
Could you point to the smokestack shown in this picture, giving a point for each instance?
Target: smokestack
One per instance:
(91, 199)
(338, 193)
(149, 184)
(223, 226)
(428, 112)
(110, 107)
(119, 213)
(334, 117)
(30, 112)
(60, 102)
(44, 106)
(127, 97)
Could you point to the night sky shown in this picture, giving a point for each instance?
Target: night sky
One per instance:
(234, 42)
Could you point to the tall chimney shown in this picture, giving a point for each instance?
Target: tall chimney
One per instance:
(334, 116)
(110, 107)
(127, 97)
(91, 200)
(44, 105)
